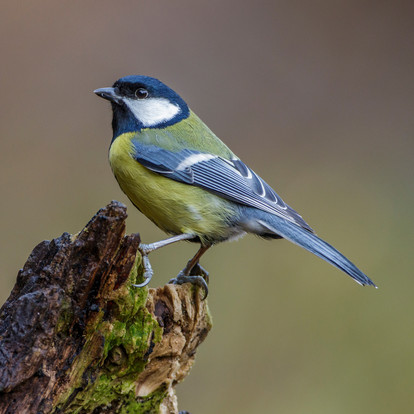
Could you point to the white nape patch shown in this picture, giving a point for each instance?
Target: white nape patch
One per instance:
(152, 111)
(194, 159)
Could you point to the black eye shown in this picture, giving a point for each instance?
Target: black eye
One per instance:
(141, 93)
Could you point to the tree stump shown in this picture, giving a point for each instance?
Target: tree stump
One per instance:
(76, 337)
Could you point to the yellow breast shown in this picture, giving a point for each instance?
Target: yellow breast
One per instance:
(173, 206)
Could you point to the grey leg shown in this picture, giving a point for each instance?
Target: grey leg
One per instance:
(146, 249)
(185, 275)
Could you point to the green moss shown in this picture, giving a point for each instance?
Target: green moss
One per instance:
(148, 405)
(65, 318)
(122, 344)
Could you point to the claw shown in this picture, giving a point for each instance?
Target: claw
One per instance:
(194, 279)
(148, 272)
(143, 284)
(199, 270)
(192, 273)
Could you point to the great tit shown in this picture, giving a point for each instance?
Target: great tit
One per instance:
(178, 173)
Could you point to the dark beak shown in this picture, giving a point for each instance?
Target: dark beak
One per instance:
(109, 94)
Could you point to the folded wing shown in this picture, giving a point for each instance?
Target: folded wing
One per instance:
(228, 178)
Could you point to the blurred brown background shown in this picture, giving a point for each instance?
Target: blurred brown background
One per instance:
(317, 97)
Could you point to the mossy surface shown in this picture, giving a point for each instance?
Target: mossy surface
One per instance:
(117, 340)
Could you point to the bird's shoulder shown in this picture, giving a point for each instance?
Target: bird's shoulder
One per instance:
(190, 133)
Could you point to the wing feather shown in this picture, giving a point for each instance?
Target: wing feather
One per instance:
(230, 179)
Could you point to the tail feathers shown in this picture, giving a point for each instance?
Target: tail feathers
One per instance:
(317, 246)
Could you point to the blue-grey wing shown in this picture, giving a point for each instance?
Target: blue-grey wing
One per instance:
(230, 179)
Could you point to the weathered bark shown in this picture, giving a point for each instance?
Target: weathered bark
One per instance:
(76, 337)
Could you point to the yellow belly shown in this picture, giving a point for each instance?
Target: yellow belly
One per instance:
(174, 207)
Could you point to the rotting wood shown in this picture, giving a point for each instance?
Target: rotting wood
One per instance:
(76, 337)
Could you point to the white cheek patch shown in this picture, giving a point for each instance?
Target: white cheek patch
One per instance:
(152, 111)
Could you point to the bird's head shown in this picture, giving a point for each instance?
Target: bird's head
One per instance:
(143, 102)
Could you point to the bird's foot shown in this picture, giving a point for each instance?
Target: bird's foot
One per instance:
(145, 249)
(195, 279)
(199, 270)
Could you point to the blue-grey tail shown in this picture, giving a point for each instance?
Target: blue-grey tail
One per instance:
(315, 245)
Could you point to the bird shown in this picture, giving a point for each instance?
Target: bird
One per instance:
(180, 175)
